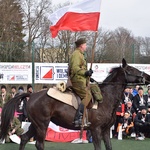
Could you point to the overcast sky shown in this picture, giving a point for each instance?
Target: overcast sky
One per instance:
(133, 15)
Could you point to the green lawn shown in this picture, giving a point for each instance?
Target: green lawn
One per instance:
(125, 144)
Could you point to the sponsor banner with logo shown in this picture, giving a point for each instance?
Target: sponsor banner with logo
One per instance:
(50, 72)
(101, 71)
(15, 73)
(59, 134)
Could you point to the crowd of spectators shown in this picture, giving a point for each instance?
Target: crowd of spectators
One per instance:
(133, 114)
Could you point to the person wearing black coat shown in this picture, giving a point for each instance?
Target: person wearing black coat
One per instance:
(141, 123)
(147, 97)
(127, 96)
(139, 100)
(127, 124)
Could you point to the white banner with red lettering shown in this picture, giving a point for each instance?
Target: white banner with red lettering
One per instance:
(58, 134)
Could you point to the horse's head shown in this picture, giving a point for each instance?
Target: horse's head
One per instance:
(133, 75)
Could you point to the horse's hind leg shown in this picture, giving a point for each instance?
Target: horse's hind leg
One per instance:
(26, 137)
(106, 138)
(40, 138)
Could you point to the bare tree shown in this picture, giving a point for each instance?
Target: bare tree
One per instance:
(34, 19)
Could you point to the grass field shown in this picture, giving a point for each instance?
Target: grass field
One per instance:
(125, 144)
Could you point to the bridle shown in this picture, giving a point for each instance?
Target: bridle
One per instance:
(127, 73)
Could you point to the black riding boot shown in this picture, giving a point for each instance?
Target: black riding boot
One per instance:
(79, 115)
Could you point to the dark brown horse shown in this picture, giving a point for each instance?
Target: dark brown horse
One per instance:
(42, 109)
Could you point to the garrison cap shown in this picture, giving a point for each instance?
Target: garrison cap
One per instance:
(80, 41)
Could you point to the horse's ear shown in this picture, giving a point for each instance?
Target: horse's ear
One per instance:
(124, 63)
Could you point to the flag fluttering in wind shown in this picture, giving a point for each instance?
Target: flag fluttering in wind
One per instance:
(81, 16)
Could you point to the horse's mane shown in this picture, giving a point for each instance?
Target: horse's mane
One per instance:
(111, 74)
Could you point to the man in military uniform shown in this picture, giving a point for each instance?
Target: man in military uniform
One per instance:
(14, 128)
(79, 76)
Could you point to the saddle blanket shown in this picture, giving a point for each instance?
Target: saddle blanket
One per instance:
(67, 97)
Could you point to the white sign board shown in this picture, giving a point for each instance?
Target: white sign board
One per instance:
(50, 72)
(15, 73)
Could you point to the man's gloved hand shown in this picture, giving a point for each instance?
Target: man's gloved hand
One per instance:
(92, 80)
(89, 73)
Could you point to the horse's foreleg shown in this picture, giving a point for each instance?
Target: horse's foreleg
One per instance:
(96, 137)
(26, 137)
(106, 138)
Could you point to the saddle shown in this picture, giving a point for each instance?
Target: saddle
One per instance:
(68, 97)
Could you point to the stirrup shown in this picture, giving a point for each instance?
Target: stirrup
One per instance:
(78, 122)
(87, 124)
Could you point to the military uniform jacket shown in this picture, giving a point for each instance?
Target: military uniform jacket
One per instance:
(15, 124)
(78, 67)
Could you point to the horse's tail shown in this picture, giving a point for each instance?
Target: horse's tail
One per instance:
(8, 113)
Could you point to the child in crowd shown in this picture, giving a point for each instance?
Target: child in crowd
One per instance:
(127, 125)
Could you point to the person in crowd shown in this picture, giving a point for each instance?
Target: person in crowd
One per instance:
(14, 128)
(13, 91)
(139, 100)
(89, 136)
(127, 125)
(140, 123)
(131, 90)
(148, 110)
(21, 107)
(44, 87)
(147, 122)
(119, 115)
(79, 76)
(29, 88)
(129, 108)
(148, 86)
(147, 97)
(127, 96)
(4, 96)
(135, 91)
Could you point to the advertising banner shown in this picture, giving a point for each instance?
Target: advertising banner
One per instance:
(59, 134)
(50, 72)
(15, 73)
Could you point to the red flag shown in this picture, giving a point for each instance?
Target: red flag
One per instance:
(81, 16)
